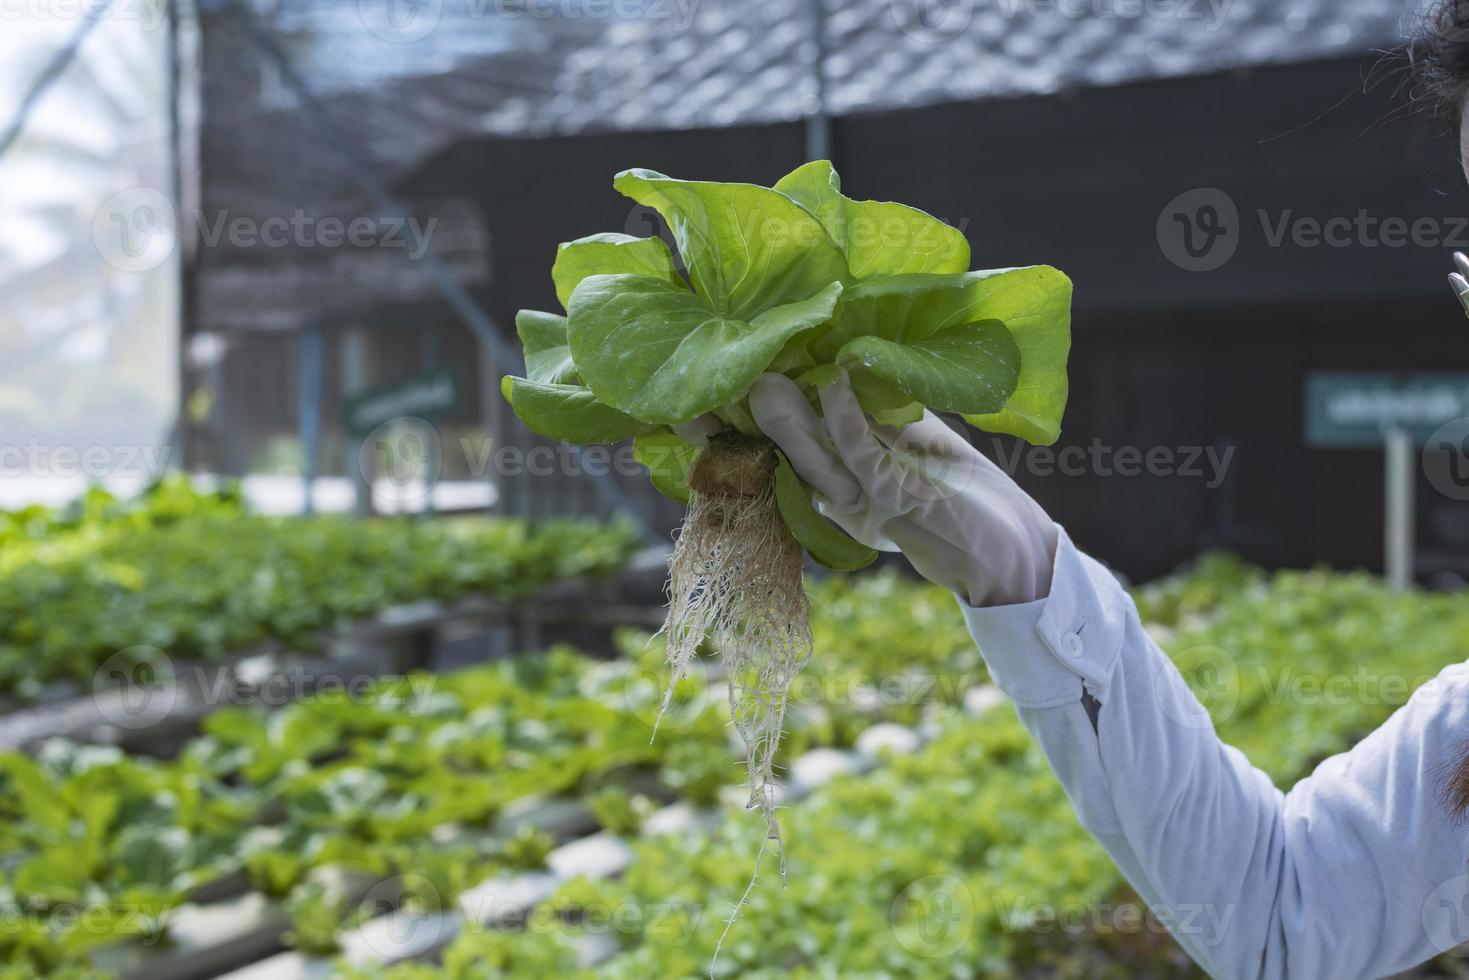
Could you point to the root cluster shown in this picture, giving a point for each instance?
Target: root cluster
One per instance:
(735, 579)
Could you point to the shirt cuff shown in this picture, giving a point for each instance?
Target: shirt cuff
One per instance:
(1042, 653)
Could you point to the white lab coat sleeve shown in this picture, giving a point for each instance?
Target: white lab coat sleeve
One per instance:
(1361, 870)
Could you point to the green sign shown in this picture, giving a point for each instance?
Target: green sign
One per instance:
(1356, 409)
(423, 396)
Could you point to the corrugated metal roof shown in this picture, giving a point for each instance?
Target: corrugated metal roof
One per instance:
(654, 64)
(887, 53)
(407, 77)
(403, 79)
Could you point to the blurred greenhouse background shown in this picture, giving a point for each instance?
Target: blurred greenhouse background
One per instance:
(315, 662)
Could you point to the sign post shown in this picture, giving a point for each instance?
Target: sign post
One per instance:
(1399, 413)
(1398, 527)
(308, 412)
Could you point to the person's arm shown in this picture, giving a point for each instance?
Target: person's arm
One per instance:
(1359, 871)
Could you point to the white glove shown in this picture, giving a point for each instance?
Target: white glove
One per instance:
(922, 489)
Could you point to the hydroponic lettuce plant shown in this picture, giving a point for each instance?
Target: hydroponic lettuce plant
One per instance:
(796, 279)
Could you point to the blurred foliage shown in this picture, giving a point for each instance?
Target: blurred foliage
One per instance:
(197, 577)
(372, 779)
(965, 859)
(961, 860)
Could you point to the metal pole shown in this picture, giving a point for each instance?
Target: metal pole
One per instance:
(308, 411)
(356, 371)
(1399, 522)
(186, 307)
(429, 359)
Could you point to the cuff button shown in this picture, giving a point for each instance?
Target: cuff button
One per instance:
(1072, 644)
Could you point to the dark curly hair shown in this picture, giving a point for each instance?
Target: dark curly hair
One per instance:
(1439, 55)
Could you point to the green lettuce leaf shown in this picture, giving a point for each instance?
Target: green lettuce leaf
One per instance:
(569, 413)
(969, 369)
(610, 253)
(823, 540)
(886, 402)
(879, 238)
(801, 280)
(747, 248)
(736, 414)
(660, 353)
(880, 398)
(1040, 322)
(668, 459)
(1033, 302)
(547, 356)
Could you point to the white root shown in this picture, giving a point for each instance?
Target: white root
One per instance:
(735, 578)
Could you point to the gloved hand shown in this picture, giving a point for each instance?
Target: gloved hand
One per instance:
(960, 520)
